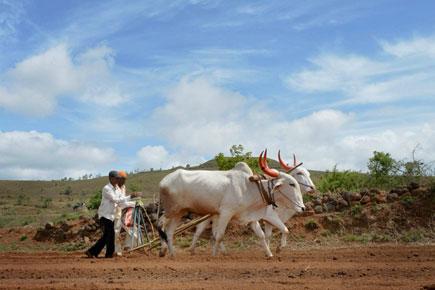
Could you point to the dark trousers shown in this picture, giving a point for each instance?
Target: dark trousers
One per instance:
(108, 239)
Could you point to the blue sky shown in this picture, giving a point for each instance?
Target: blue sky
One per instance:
(87, 86)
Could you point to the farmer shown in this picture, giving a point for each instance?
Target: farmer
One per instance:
(111, 198)
(118, 212)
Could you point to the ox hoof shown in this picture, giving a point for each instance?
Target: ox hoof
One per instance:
(162, 252)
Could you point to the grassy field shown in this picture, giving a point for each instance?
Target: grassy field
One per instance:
(33, 203)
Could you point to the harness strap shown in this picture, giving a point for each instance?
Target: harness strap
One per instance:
(267, 196)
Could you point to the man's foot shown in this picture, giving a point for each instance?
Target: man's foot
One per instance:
(89, 254)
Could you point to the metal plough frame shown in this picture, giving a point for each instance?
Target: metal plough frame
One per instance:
(151, 244)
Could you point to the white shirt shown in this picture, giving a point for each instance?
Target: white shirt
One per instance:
(112, 197)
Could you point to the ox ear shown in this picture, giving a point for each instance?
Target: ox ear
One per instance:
(254, 178)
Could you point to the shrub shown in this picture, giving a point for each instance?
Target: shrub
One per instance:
(46, 202)
(335, 180)
(95, 200)
(23, 238)
(311, 225)
(407, 200)
(237, 155)
(356, 210)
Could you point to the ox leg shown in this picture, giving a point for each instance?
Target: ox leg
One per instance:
(255, 226)
(219, 228)
(274, 220)
(200, 228)
(172, 226)
(268, 233)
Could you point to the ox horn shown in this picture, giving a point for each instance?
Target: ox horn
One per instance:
(285, 166)
(264, 167)
(294, 159)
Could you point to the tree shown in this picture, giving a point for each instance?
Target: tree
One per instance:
(381, 165)
(237, 155)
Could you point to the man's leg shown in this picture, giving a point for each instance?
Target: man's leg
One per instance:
(99, 245)
(109, 234)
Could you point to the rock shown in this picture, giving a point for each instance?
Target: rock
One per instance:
(399, 190)
(392, 196)
(317, 201)
(42, 235)
(318, 209)
(341, 204)
(308, 205)
(325, 199)
(413, 185)
(347, 196)
(419, 191)
(86, 240)
(356, 196)
(59, 236)
(365, 199)
(329, 207)
(375, 191)
(381, 197)
(64, 227)
(49, 226)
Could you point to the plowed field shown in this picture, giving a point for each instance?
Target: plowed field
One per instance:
(366, 267)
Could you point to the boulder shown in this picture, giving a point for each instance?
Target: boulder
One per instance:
(413, 185)
(365, 199)
(399, 190)
(329, 207)
(341, 204)
(421, 191)
(392, 196)
(49, 226)
(318, 209)
(381, 197)
(317, 201)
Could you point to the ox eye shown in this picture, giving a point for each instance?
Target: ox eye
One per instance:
(292, 184)
(300, 173)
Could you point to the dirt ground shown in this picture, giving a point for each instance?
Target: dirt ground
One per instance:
(357, 267)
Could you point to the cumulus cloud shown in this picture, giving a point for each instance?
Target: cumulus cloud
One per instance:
(403, 72)
(38, 155)
(203, 119)
(34, 85)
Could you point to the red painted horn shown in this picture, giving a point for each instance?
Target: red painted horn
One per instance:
(285, 166)
(264, 167)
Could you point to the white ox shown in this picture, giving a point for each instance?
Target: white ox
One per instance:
(301, 175)
(226, 195)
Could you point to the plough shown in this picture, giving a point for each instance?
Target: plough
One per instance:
(151, 244)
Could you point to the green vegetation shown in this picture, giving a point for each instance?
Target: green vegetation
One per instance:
(95, 200)
(407, 200)
(335, 181)
(237, 155)
(356, 210)
(311, 225)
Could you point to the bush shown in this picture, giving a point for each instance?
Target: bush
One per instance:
(334, 181)
(237, 155)
(311, 225)
(46, 202)
(23, 238)
(407, 200)
(356, 210)
(95, 200)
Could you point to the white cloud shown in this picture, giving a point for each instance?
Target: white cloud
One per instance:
(404, 72)
(34, 85)
(203, 119)
(37, 155)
